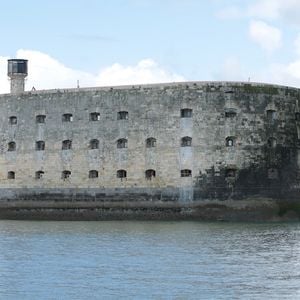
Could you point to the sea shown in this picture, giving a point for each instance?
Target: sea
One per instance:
(149, 260)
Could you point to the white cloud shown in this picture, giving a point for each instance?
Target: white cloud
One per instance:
(293, 70)
(265, 9)
(288, 10)
(46, 72)
(268, 37)
(276, 73)
(146, 71)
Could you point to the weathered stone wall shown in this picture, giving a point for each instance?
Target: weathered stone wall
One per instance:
(259, 158)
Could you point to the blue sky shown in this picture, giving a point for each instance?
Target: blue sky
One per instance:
(138, 41)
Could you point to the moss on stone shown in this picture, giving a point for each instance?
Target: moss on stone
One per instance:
(262, 89)
(285, 207)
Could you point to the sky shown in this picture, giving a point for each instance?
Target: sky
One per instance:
(116, 42)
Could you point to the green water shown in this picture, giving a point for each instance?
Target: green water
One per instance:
(149, 260)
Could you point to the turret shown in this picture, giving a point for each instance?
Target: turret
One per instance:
(17, 71)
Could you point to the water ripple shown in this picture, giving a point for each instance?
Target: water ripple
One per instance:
(149, 260)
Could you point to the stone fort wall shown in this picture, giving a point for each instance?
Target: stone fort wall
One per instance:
(212, 140)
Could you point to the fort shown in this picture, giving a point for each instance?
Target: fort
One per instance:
(189, 150)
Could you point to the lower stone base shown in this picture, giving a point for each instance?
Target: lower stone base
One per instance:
(230, 210)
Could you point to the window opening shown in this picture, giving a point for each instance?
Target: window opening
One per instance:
(151, 142)
(186, 113)
(230, 141)
(65, 174)
(150, 174)
(11, 175)
(271, 116)
(13, 120)
(186, 141)
(122, 115)
(122, 143)
(230, 113)
(94, 144)
(66, 145)
(186, 173)
(121, 174)
(94, 116)
(39, 174)
(40, 119)
(272, 142)
(230, 173)
(67, 117)
(93, 174)
(11, 146)
(40, 146)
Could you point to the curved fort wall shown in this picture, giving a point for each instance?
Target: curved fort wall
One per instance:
(210, 140)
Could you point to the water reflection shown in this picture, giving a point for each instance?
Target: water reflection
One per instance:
(149, 260)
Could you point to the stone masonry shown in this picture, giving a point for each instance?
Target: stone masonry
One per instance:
(183, 142)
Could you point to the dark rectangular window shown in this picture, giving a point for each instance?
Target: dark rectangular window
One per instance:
(186, 173)
(66, 145)
(39, 174)
(40, 119)
(40, 146)
(95, 116)
(186, 113)
(122, 115)
(271, 116)
(11, 175)
(67, 117)
(13, 120)
(93, 174)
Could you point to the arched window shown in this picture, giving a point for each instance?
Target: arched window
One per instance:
(67, 117)
(66, 145)
(13, 120)
(40, 119)
(122, 115)
(150, 174)
(11, 146)
(122, 143)
(230, 141)
(186, 141)
(65, 174)
(272, 142)
(186, 173)
(121, 174)
(150, 142)
(40, 146)
(93, 174)
(39, 174)
(94, 144)
(186, 113)
(11, 175)
(94, 116)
